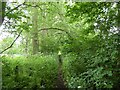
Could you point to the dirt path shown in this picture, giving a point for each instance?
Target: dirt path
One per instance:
(60, 81)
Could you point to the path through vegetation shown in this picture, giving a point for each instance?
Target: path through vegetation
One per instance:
(60, 81)
(87, 34)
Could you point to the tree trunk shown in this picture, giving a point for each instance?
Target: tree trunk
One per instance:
(35, 39)
(2, 11)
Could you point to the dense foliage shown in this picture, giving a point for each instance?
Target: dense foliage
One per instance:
(100, 53)
(86, 35)
(30, 72)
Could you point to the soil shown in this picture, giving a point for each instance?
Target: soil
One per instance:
(60, 81)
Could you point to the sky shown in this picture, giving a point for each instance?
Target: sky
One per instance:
(2, 34)
(6, 34)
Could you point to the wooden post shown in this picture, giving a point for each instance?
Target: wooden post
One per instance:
(59, 58)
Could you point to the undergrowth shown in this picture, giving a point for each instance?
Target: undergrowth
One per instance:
(29, 72)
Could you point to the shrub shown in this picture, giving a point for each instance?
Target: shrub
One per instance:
(32, 72)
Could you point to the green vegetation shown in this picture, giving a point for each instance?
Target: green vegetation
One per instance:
(60, 45)
(30, 72)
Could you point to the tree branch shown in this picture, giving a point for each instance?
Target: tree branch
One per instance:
(11, 43)
(10, 31)
(37, 6)
(59, 30)
(14, 8)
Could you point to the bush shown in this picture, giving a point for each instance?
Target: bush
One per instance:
(94, 67)
(31, 72)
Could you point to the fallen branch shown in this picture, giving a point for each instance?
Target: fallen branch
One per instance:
(11, 43)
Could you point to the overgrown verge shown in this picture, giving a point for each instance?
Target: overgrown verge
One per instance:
(96, 66)
(31, 72)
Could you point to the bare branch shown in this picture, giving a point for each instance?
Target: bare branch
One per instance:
(11, 43)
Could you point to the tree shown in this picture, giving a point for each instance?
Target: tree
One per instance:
(35, 40)
(99, 48)
(2, 11)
